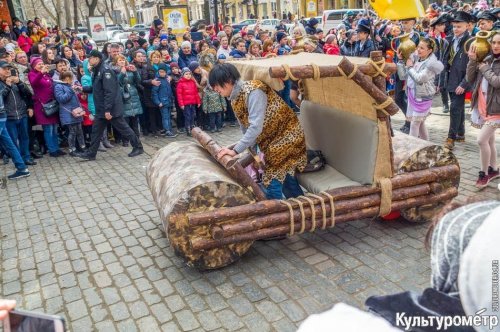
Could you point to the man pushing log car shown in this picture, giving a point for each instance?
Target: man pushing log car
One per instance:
(266, 120)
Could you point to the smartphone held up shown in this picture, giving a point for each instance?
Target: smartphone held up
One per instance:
(29, 321)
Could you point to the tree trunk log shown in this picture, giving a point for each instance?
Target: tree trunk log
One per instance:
(229, 163)
(366, 84)
(183, 179)
(307, 71)
(411, 155)
(437, 174)
(206, 244)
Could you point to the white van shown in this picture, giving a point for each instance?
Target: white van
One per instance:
(332, 18)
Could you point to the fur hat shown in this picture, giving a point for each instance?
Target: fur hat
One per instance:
(185, 44)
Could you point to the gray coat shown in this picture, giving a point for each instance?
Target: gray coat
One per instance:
(131, 82)
(424, 76)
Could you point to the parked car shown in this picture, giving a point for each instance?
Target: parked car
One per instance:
(82, 29)
(120, 37)
(270, 25)
(244, 23)
(332, 18)
(92, 42)
(140, 27)
(111, 30)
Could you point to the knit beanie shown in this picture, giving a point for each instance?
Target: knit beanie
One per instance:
(174, 65)
(185, 44)
(193, 65)
(163, 37)
(141, 41)
(157, 22)
(185, 70)
(162, 66)
(34, 61)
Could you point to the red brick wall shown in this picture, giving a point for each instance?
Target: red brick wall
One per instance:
(4, 12)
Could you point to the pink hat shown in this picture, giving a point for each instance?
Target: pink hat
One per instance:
(34, 61)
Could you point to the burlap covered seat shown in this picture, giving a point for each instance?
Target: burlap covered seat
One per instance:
(339, 118)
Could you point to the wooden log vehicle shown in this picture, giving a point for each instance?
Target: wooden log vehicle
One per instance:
(212, 211)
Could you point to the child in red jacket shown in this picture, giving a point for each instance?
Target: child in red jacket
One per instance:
(188, 98)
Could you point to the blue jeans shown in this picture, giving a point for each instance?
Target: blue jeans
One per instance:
(18, 131)
(50, 135)
(10, 147)
(189, 116)
(285, 93)
(289, 188)
(215, 120)
(166, 120)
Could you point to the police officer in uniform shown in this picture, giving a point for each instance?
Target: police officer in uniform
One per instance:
(108, 101)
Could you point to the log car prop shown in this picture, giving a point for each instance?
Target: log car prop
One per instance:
(212, 211)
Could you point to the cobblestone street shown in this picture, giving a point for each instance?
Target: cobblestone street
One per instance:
(85, 241)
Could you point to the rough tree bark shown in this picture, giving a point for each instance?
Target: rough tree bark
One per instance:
(67, 13)
(92, 5)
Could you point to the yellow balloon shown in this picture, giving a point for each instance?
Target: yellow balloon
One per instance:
(398, 9)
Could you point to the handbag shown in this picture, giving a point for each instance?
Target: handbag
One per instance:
(126, 93)
(50, 108)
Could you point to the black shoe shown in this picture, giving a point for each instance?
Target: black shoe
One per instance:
(30, 162)
(85, 156)
(19, 174)
(125, 144)
(5, 159)
(446, 109)
(232, 124)
(36, 155)
(405, 129)
(135, 152)
(54, 154)
(75, 154)
(61, 153)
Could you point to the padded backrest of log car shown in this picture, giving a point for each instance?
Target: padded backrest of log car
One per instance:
(349, 142)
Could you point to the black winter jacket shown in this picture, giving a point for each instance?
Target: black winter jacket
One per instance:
(17, 99)
(107, 94)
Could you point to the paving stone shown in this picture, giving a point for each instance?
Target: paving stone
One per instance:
(127, 325)
(284, 325)
(276, 294)
(175, 303)
(98, 313)
(229, 320)
(148, 324)
(77, 309)
(84, 323)
(161, 312)
(256, 322)
(164, 287)
(119, 311)
(216, 302)
(139, 309)
(293, 310)
(105, 326)
(270, 310)
(102, 279)
(110, 295)
(187, 320)
(208, 320)
(241, 305)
